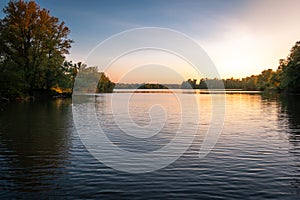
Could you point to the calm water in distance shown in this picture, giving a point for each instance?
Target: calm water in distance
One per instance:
(257, 155)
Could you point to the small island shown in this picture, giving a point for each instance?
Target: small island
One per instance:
(152, 86)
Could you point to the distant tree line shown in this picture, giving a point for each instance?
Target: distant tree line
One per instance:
(152, 86)
(146, 86)
(285, 79)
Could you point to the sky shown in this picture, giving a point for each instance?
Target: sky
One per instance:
(242, 37)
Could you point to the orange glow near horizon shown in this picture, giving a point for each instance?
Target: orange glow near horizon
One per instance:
(149, 66)
(241, 43)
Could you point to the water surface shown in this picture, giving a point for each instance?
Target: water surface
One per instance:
(256, 157)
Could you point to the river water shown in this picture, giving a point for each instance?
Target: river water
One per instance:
(257, 155)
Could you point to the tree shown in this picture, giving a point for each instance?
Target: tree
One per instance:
(202, 84)
(33, 45)
(66, 78)
(189, 84)
(288, 72)
(152, 86)
(232, 83)
(90, 80)
(104, 84)
(292, 69)
(87, 79)
(264, 79)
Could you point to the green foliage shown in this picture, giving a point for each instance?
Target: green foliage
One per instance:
(232, 83)
(289, 70)
(286, 78)
(11, 81)
(90, 80)
(250, 83)
(66, 77)
(268, 79)
(33, 45)
(104, 84)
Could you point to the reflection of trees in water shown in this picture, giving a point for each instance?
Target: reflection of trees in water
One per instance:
(289, 126)
(290, 107)
(270, 97)
(35, 144)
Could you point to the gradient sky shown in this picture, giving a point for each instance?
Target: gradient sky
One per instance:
(242, 37)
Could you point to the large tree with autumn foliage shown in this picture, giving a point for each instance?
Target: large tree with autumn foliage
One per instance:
(33, 45)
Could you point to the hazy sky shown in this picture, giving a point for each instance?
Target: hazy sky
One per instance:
(242, 37)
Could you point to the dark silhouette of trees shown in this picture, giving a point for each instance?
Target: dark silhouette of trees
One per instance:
(202, 84)
(189, 84)
(289, 70)
(146, 86)
(285, 79)
(152, 86)
(268, 79)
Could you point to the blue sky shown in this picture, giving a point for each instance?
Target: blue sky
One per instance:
(242, 37)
